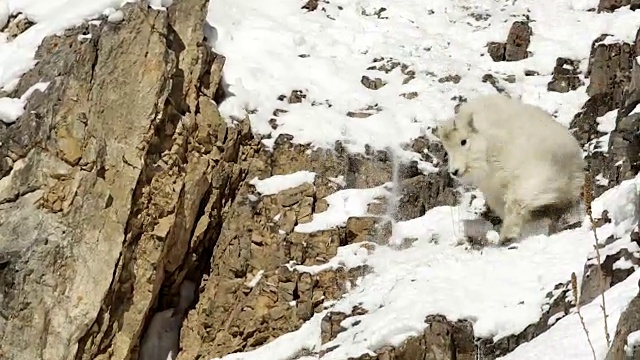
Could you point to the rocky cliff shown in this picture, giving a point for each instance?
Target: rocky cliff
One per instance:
(121, 181)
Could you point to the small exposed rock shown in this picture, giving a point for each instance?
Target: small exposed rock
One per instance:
(611, 5)
(365, 113)
(410, 95)
(358, 115)
(373, 84)
(16, 26)
(531, 73)
(565, 76)
(489, 78)
(591, 287)
(296, 97)
(450, 78)
(310, 5)
(518, 41)
(407, 79)
(511, 79)
(277, 112)
(496, 50)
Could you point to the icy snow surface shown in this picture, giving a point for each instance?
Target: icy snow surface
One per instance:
(273, 47)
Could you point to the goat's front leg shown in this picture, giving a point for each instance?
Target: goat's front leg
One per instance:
(516, 214)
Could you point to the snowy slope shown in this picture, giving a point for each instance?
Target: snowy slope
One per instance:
(274, 47)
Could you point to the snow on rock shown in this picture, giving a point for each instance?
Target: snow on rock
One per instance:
(277, 183)
(343, 204)
(51, 17)
(273, 47)
(11, 109)
(633, 340)
(566, 340)
(500, 290)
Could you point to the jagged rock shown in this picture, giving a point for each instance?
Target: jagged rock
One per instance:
(565, 76)
(628, 323)
(591, 285)
(17, 25)
(441, 340)
(518, 41)
(516, 46)
(624, 141)
(111, 170)
(611, 5)
(496, 50)
(370, 228)
(615, 77)
(373, 84)
(609, 68)
(330, 326)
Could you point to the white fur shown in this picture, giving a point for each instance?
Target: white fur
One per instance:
(517, 155)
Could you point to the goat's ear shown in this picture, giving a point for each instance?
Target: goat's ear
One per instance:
(466, 122)
(471, 124)
(435, 131)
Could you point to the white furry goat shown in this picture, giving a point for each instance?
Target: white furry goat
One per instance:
(527, 165)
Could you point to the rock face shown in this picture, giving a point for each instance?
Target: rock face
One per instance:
(629, 322)
(113, 181)
(515, 48)
(614, 85)
(611, 5)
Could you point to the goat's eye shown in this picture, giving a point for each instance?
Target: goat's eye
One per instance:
(463, 142)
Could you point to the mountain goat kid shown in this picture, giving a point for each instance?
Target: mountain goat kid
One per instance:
(527, 165)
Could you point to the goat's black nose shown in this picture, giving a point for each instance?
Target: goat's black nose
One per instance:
(454, 172)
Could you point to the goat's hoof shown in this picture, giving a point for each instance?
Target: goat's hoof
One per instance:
(506, 241)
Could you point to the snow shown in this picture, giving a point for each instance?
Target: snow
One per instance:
(633, 339)
(494, 288)
(343, 204)
(273, 47)
(11, 108)
(277, 183)
(623, 264)
(349, 256)
(566, 340)
(51, 17)
(256, 279)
